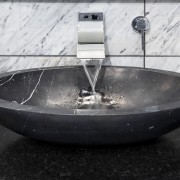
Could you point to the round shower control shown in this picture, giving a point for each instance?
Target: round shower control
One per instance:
(140, 24)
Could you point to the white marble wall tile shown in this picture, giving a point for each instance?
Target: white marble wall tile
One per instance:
(164, 35)
(125, 61)
(19, 63)
(50, 27)
(164, 63)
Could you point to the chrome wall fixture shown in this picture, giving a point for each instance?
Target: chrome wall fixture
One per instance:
(91, 36)
(141, 25)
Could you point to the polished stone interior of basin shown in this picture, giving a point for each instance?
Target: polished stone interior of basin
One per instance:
(60, 88)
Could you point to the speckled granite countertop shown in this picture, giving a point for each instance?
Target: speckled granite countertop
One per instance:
(24, 159)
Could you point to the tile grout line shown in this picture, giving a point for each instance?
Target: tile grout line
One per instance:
(144, 59)
(158, 56)
(66, 56)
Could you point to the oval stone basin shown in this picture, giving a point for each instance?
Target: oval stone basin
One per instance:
(54, 105)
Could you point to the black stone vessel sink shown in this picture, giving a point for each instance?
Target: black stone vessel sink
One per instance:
(43, 104)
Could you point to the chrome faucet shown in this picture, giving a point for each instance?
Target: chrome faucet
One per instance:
(90, 36)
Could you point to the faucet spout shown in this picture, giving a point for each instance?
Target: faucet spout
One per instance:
(90, 36)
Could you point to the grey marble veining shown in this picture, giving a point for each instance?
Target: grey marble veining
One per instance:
(164, 63)
(19, 63)
(163, 38)
(50, 27)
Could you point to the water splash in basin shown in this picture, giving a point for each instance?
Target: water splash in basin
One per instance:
(90, 98)
(97, 100)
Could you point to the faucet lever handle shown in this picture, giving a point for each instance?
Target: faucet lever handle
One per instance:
(143, 39)
(141, 24)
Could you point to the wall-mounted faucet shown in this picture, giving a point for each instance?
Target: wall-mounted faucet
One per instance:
(141, 25)
(90, 36)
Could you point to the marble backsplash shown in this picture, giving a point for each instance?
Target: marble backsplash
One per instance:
(26, 62)
(50, 28)
(164, 36)
(43, 33)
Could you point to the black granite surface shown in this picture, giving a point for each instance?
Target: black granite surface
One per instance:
(133, 104)
(22, 158)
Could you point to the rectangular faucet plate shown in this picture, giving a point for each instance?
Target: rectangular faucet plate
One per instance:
(90, 36)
